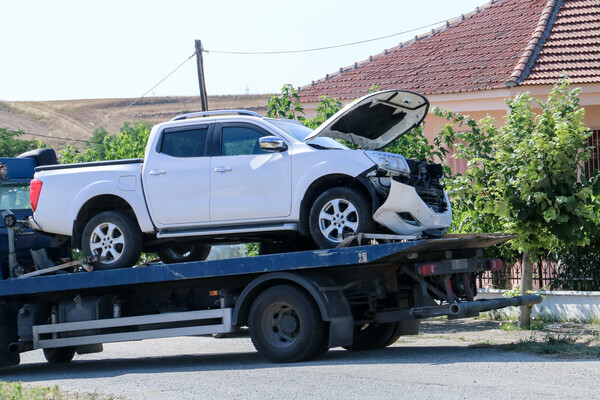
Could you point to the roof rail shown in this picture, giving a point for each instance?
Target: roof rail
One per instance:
(216, 112)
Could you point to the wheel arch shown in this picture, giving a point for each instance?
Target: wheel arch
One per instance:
(330, 300)
(94, 206)
(317, 187)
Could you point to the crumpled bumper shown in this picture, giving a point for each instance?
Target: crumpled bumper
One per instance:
(405, 213)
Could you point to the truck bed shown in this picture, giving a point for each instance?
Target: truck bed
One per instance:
(90, 164)
(415, 250)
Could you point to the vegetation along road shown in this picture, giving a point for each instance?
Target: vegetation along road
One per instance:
(456, 360)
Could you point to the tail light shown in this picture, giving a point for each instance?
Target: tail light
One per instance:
(427, 269)
(495, 264)
(35, 188)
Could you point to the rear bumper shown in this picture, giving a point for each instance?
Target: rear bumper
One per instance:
(403, 201)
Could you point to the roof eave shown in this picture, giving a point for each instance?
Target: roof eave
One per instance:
(538, 38)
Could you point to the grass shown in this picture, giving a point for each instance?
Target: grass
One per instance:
(18, 391)
(558, 345)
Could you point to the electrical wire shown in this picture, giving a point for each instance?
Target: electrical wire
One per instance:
(326, 47)
(52, 137)
(110, 116)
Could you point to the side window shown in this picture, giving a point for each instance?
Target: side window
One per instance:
(241, 140)
(184, 143)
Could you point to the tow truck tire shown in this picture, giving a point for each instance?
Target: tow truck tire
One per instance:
(183, 253)
(373, 336)
(114, 235)
(285, 325)
(404, 328)
(59, 355)
(337, 213)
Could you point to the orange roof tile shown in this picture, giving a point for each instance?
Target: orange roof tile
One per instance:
(503, 43)
(573, 45)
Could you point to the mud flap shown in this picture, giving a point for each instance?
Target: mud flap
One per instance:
(8, 334)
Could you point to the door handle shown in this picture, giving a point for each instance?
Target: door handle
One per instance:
(223, 169)
(157, 172)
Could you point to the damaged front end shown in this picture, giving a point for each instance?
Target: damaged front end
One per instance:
(413, 197)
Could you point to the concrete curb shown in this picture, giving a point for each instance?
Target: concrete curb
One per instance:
(565, 305)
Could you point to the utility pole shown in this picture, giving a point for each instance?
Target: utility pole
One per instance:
(526, 286)
(199, 61)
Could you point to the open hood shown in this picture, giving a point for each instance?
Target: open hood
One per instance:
(375, 120)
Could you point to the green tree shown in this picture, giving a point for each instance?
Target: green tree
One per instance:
(526, 177)
(287, 105)
(129, 143)
(325, 109)
(11, 146)
(96, 142)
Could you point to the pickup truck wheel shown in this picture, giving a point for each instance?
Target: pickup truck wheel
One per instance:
(373, 336)
(183, 253)
(285, 325)
(59, 355)
(115, 238)
(337, 213)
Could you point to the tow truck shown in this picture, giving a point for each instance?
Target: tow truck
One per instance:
(363, 295)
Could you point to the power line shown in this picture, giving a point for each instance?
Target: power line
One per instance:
(52, 137)
(110, 116)
(326, 47)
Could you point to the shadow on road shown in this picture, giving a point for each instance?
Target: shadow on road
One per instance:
(398, 354)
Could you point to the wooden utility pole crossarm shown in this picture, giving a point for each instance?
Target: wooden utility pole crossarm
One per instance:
(200, 62)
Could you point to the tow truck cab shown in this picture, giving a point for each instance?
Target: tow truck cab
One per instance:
(32, 250)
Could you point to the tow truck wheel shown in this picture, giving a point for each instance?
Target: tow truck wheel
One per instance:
(59, 355)
(373, 336)
(183, 253)
(404, 328)
(115, 238)
(285, 324)
(337, 213)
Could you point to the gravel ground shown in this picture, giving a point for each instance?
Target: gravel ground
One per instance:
(480, 330)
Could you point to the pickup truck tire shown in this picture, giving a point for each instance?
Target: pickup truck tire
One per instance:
(59, 355)
(373, 336)
(337, 213)
(114, 235)
(285, 325)
(183, 253)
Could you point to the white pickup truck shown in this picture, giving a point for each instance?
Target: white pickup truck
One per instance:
(214, 177)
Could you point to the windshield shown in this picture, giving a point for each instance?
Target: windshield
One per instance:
(14, 196)
(300, 132)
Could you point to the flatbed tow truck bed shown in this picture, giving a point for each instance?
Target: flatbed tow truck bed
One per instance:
(296, 305)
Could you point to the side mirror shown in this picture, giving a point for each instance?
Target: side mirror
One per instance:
(272, 143)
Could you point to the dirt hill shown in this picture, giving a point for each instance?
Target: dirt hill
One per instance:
(58, 123)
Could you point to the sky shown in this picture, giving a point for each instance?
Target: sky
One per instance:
(86, 49)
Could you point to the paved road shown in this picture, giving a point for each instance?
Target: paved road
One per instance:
(439, 365)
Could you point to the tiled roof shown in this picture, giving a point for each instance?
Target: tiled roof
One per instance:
(495, 46)
(572, 46)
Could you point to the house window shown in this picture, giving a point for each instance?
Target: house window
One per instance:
(594, 161)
